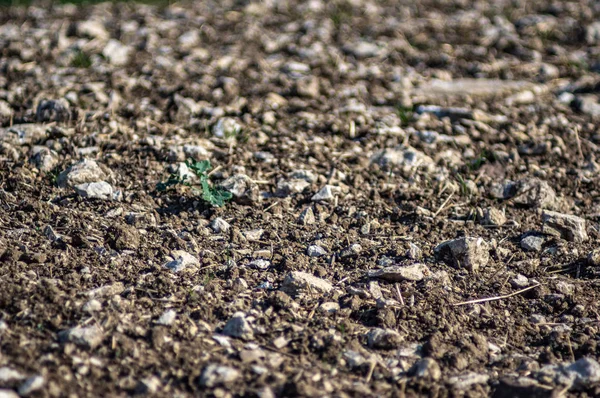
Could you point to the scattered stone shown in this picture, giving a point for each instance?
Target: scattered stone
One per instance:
(325, 194)
(148, 386)
(592, 33)
(10, 375)
(441, 112)
(286, 188)
(466, 381)
(84, 171)
(226, 128)
(493, 217)
(565, 288)
(519, 282)
(31, 385)
(315, 251)
(259, 263)
(532, 243)
(522, 387)
(470, 253)
(576, 375)
(167, 318)
(242, 187)
(475, 88)
(44, 158)
(219, 225)
(587, 104)
(385, 339)
(93, 29)
(123, 237)
(362, 49)
(6, 113)
(402, 157)
(215, 374)
(95, 190)
(117, 53)
(4, 393)
(238, 327)
(533, 192)
(568, 227)
(89, 337)
(426, 368)
(399, 273)
(594, 258)
(105, 291)
(351, 251)
(297, 283)
(414, 252)
(181, 260)
(329, 307)
(92, 306)
(53, 111)
(307, 217)
(253, 235)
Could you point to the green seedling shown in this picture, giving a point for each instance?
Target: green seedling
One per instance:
(215, 196)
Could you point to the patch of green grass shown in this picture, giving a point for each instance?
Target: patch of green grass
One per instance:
(215, 196)
(405, 114)
(81, 60)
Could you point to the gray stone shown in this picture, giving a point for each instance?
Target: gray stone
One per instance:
(6, 112)
(426, 368)
(519, 281)
(31, 385)
(23, 134)
(398, 273)
(238, 327)
(414, 252)
(307, 217)
(362, 49)
(329, 307)
(93, 29)
(92, 306)
(576, 375)
(242, 187)
(167, 318)
(10, 375)
(290, 187)
(587, 104)
(525, 387)
(325, 194)
(44, 158)
(315, 251)
(53, 111)
(568, 227)
(493, 217)
(468, 380)
(215, 374)
(470, 253)
(88, 337)
(402, 157)
(226, 127)
(196, 152)
(532, 243)
(105, 291)
(351, 251)
(475, 88)
(533, 192)
(592, 33)
(219, 225)
(385, 339)
(441, 112)
(297, 283)
(95, 190)
(117, 53)
(259, 263)
(181, 260)
(84, 171)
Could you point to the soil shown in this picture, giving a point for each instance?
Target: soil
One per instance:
(354, 136)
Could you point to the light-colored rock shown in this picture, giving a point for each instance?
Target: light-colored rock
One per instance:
(493, 217)
(315, 251)
(44, 158)
(92, 306)
(533, 192)
(290, 187)
(84, 171)
(93, 29)
(532, 243)
(117, 53)
(385, 339)
(467, 381)
(565, 226)
(592, 33)
(402, 157)
(362, 49)
(325, 194)
(519, 281)
(5, 393)
(329, 307)
(307, 217)
(181, 260)
(426, 368)
(6, 112)
(219, 225)
(238, 327)
(475, 88)
(351, 251)
(226, 127)
(95, 190)
(9, 375)
(298, 282)
(88, 337)
(242, 187)
(215, 374)
(167, 318)
(31, 385)
(469, 253)
(576, 375)
(105, 291)
(259, 263)
(398, 273)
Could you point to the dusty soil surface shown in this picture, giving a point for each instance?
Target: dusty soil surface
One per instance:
(389, 164)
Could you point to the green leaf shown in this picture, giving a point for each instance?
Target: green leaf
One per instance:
(199, 168)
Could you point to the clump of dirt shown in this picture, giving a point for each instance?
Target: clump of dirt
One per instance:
(414, 199)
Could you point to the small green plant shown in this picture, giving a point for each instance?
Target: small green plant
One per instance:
(405, 114)
(81, 60)
(215, 196)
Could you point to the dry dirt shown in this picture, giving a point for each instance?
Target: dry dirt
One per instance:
(389, 161)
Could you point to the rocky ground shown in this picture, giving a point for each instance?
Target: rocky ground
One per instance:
(414, 204)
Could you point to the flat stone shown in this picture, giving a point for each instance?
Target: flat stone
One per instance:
(167, 318)
(9, 375)
(290, 187)
(95, 190)
(117, 53)
(565, 226)
(31, 385)
(219, 225)
(399, 273)
(181, 260)
(88, 337)
(385, 339)
(402, 157)
(315, 251)
(325, 194)
(298, 282)
(307, 217)
(362, 49)
(533, 192)
(215, 374)
(242, 187)
(84, 171)
(532, 243)
(238, 327)
(493, 217)
(470, 253)
(466, 381)
(475, 88)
